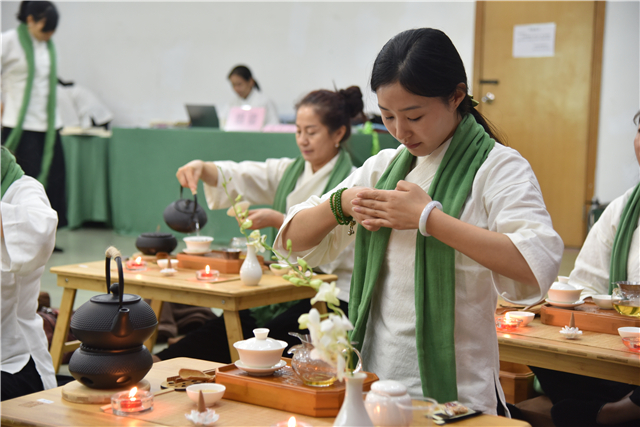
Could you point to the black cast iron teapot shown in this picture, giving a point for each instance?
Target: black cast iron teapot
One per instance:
(184, 215)
(114, 320)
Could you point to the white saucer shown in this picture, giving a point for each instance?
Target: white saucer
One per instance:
(260, 372)
(565, 304)
(196, 251)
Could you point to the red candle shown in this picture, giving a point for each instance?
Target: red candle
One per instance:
(131, 401)
(137, 264)
(207, 275)
(507, 324)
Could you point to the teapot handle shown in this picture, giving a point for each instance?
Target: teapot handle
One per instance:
(112, 252)
(195, 200)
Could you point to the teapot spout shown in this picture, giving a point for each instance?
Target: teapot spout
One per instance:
(121, 326)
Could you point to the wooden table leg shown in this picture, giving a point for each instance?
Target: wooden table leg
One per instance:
(62, 326)
(321, 306)
(156, 306)
(234, 331)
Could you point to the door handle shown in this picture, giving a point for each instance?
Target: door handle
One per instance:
(488, 98)
(488, 82)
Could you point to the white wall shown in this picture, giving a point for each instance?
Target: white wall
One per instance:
(147, 59)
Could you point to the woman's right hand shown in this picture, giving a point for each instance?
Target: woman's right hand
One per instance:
(348, 196)
(189, 175)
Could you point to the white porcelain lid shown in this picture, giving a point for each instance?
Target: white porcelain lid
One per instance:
(261, 342)
(389, 387)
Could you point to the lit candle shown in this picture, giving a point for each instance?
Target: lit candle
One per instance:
(207, 275)
(292, 422)
(507, 323)
(131, 401)
(136, 265)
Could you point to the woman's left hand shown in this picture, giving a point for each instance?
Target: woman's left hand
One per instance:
(263, 218)
(399, 209)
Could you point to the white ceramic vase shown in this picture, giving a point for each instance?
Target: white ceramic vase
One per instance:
(352, 412)
(251, 270)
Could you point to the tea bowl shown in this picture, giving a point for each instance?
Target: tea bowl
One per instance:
(210, 391)
(603, 301)
(279, 269)
(260, 351)
(525, 316)
(629, 332)
(564, 292)
(198, 243)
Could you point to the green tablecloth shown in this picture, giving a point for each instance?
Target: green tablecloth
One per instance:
(143, 164)
(86, 163)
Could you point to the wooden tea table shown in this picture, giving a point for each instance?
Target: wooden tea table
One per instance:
(48, 409)
(231, 296)
(594, 354)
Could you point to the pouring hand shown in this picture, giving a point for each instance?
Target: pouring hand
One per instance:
(189, 174)
(263, 218)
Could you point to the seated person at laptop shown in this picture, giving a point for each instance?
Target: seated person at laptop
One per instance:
(323, 124)
(248, 93)
(609, 254)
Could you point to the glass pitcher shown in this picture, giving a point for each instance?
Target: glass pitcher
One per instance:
(626, 298)
(313, 372)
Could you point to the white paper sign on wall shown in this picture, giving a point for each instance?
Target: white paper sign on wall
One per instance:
(534, 40)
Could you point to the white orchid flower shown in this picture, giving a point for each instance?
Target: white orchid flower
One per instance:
(327, 293)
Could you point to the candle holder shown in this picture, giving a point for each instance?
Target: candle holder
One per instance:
(136, 265)
(125, 403)
(507, 324)
(207, 275)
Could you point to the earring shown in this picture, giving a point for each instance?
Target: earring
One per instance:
(337, 145)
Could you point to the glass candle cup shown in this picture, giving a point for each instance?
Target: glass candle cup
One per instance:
(126, 402)
(507, 324)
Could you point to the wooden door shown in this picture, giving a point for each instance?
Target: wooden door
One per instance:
(547, 107)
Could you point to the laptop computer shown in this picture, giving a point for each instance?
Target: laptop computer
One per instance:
(203, 116)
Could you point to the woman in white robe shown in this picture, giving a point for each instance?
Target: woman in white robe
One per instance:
(503, 240)
(248, 93)
(588, 401)
(323, 123)
(28, 229)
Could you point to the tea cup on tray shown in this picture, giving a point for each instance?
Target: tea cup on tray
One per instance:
(198, 244)
(564, 293)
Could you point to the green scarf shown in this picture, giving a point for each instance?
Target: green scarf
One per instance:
(622, 241)
(14, 137)
(11, 171)
(340, 171)
(434, 261)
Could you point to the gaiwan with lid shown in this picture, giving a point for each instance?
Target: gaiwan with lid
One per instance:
(260, 351)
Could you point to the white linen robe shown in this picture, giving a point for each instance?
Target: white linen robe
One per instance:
(29, 227)
(258, 183)
(505, 197)
(594, 260)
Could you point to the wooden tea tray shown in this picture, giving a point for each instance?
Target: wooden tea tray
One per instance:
(215, 262)
(588, 317)
(284, 391)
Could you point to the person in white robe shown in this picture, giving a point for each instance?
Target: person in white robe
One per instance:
(503, 239)
(323, 124)
(28, 228)
(610, 253)
(248, 94)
